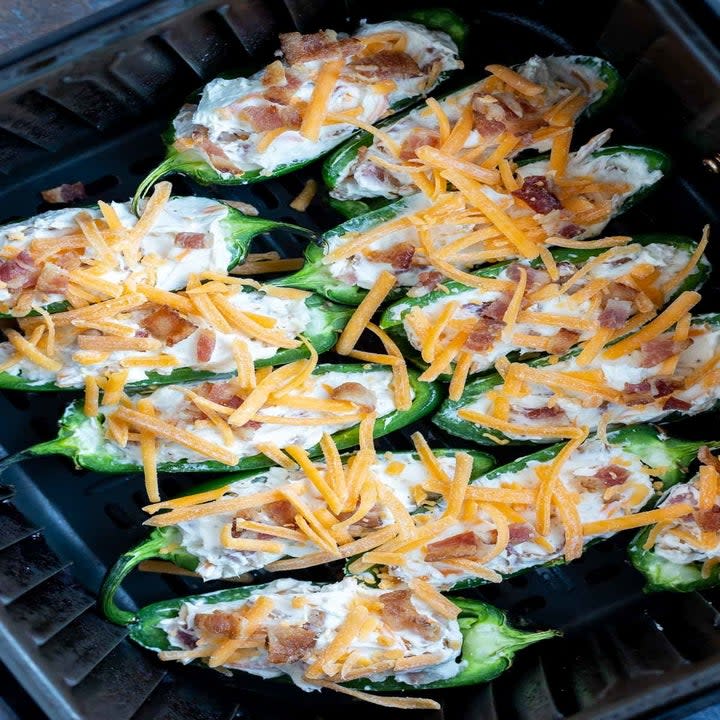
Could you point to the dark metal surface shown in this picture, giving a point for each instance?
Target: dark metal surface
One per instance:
(91, 109)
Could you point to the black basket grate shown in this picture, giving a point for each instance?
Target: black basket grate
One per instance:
(91, 109)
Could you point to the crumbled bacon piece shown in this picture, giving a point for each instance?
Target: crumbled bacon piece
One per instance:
(65, 193)
(638, 393)
(222, 393)
(707, 458)
(323, 45)
(20, 272)
(385, 65)
(709, 520)
(274, 74)
(562, 341)
(673, 403)
(399, 256)
(488, 116)
(565, 270)
(519, 533)
(282, 94)
(270, 117)
(612, 475)
(536, 278)
(535, 193)
(52, 279)
(542, 413)
(417, 138)
(620, 291)
(220, 623)
(191, 240)
(661, 348)
(168, 325)
(398, 613)
(570, 230)
(429, 279)
(463, 545)
(615, 313)
(355, 393)
(289, 643)
(372, 519)
(280, 512)
(219, 160)
(205, 345)
(665, 387)
(482, 336)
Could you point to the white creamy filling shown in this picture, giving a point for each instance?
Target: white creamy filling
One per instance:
(324, 609)
(201, 537)
(222, 100)
(172, 265)
(591, 457)
(676, 549)
(701, 395)
(292, 318)
(361, 179)
(362, 271)
(669, 260)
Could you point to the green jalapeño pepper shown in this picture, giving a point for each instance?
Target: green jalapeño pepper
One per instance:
(231, 138)
(562, 393)
(164, 324)
(666, 254)
(632, 456)
(488, 641)
(680, 552)
(188, 235)
(195, 543)
(342, 267)
(83, 439)
(350, 173)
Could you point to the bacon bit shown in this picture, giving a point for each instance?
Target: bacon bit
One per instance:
(191, 240)
(615, 313)
(168, 325)
(271, 117)
(398, 613)
(281, 513)
(562, 341)
(418, 137)
(399, 256)
(222, 393)
(430, 279)
(215, 153)
(283, 94)
(355, 393)
(463, 545)
(483, 335)
(566, 270)
(274, 74)
(372, 519)
(660, 349)
(707, 458)
(65, 193)
(520, 533)
(542, 413)
(141, 333)
(535, 193)
(20, 272)
(709, 520)
(535, 278)
(639, 393)
(384, 65)
(205, 345)
(322, 45)
(289, 643)
(483, 109)
(604, 478)
(218, 623)
(52, 279)
(673, 403)
(620, 291)
(494, 310)
(570, 231)
(663, 387)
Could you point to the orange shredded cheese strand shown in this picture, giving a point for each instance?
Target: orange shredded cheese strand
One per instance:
(560, 152)
(662, 322)
(305, 197)
(570, 518)
(92, 394)
(460, 374)
(441, 160)
(28, 350)
(628, 522)
(317, 108)
(435, 330)
(148, 452)
(677, 280)
(402, 394)
(515, 80)
(513, 308)
(508, 428)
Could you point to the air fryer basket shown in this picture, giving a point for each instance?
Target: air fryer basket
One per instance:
(90, 107)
